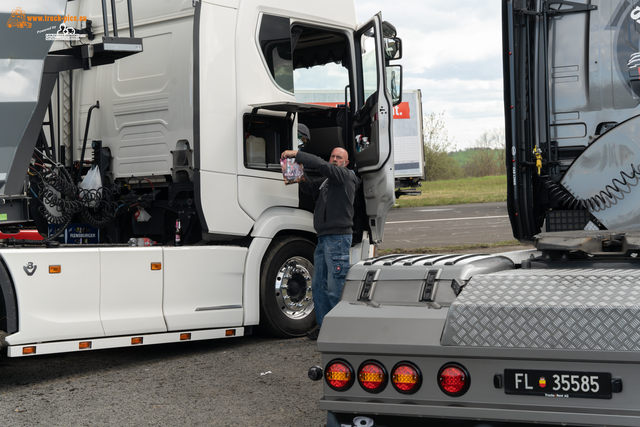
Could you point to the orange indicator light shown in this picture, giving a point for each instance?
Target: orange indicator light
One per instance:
(339, 375)
(136, 340)
(184, 337)
(156, 266)
(29, 350)
(406, 378)
(372, 377)
(230, 333)
(84, 345)
(55, 269)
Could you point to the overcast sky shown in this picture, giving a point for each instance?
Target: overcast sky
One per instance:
(452, 52)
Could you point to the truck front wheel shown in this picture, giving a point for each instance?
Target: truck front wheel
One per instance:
(286, 303)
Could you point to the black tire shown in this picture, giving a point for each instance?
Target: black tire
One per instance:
(286, 304)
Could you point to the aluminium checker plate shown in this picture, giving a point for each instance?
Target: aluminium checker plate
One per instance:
(583, 309)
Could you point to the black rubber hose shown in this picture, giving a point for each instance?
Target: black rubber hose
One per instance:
(603, 199)
(84, 142)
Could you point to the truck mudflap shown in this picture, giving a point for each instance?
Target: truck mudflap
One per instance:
(573, 309)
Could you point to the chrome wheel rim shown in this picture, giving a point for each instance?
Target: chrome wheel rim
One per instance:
(293, 288)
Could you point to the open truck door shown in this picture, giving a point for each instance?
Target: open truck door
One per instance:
(356, 64)
(379, 88)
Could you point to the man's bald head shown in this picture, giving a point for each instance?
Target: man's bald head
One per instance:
(339, 157)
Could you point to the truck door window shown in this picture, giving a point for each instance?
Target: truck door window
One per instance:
(369, 67)
(320, 56)
(275, 43)
(319, 60)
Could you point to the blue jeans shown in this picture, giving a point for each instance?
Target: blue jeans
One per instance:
(330, 267)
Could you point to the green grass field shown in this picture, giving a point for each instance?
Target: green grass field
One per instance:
(457, 192)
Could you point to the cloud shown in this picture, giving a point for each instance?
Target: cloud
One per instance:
(452, 51)
(462, 91)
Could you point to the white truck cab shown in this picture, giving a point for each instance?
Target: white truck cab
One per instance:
(181, 123)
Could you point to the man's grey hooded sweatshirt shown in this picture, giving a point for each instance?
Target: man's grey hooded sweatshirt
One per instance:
(335, 195)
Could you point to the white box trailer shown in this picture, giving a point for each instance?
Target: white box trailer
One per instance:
(408, 142)
(179, 110)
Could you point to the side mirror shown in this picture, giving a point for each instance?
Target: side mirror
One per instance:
(392, 48)
(388, 30)
(394, 83)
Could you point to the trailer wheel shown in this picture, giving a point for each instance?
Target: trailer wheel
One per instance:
(286, 303)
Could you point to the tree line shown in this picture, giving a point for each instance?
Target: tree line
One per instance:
(487, 157)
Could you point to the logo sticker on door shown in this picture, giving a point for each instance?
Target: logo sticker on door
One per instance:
(625, 22)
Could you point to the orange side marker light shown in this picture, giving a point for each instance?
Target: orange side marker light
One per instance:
(29, 350)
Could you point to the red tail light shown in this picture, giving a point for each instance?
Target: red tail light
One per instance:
(453, 379)
(406, 378)
(372, 377)
(339, 375)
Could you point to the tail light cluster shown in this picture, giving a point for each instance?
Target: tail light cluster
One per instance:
(453, 379)
(405, 377)
(373, 376)
(339, 375)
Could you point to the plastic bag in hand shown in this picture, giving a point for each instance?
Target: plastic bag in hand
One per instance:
(292, 172)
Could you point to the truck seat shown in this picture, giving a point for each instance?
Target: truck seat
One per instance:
(324, 140)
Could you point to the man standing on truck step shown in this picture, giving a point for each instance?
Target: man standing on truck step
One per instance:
(332, 220)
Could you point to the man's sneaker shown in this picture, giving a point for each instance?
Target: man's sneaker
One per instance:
(313, 334)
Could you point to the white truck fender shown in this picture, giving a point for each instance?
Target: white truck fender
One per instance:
(274, 220)
(270, 223)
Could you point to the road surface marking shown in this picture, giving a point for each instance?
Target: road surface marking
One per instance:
(448, 219)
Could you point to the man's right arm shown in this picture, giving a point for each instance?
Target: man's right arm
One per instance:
(334, 173)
